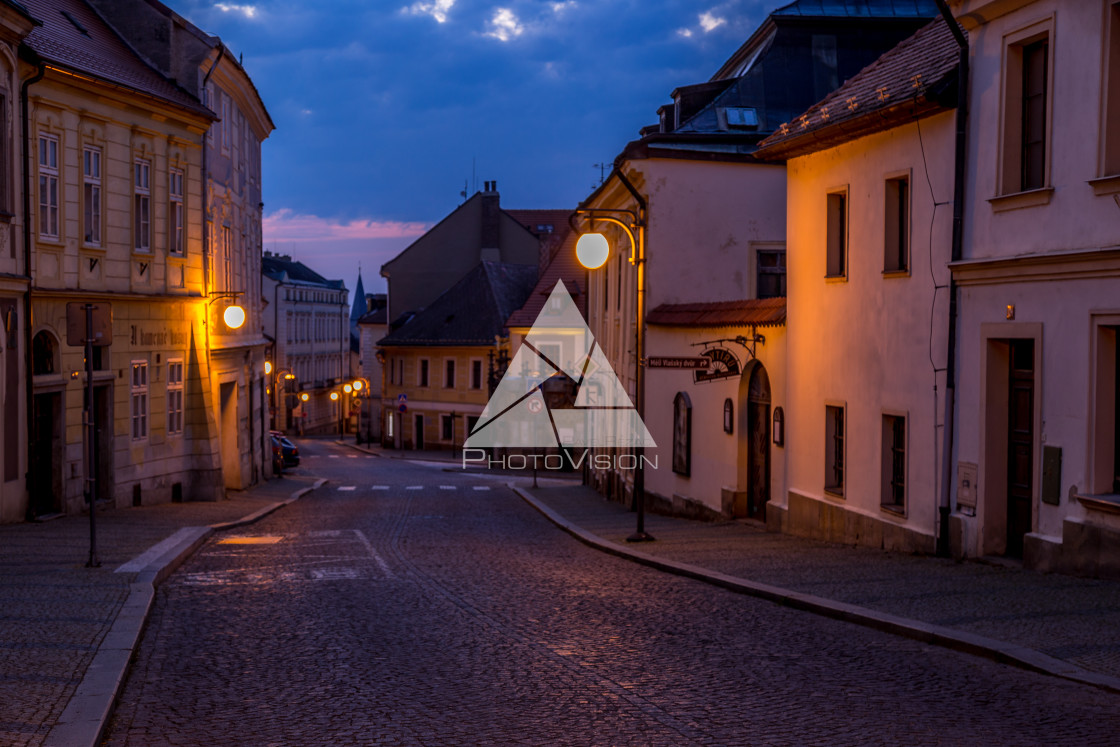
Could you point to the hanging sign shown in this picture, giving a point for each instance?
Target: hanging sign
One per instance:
(722, 364)
(686, 363)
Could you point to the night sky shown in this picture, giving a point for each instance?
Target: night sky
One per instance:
(386, 110)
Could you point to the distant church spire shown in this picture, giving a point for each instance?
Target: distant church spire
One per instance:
(359, 307)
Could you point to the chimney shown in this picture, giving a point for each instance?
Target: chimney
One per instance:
(490, 250)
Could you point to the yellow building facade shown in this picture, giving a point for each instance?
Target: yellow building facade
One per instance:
(115, 220)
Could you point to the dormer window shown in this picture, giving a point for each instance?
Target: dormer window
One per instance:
(741, 117)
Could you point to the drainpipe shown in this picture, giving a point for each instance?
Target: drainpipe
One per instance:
(28, 55)
(945, 507)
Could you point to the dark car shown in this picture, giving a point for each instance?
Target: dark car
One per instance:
(289, 451)
(277, 455)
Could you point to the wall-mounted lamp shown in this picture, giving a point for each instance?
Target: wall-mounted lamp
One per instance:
(234, 315)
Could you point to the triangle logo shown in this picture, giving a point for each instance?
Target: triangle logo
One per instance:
(559, 390)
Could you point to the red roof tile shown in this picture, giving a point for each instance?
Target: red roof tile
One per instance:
(759, 312)
(905, 83)
(96, 50)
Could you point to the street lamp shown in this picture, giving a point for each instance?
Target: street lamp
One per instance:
(334, 398)
(592, 250)
(358, 386)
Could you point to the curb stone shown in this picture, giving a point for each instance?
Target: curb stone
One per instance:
(938, 635)
(84, 720)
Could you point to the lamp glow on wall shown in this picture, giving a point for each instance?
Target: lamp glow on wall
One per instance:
(267, 367)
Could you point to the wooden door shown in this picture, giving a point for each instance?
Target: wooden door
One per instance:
(758, 446)
(1020, 444)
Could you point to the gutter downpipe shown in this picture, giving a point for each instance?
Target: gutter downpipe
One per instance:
(32, 57)
(206, 261)
(960, 156)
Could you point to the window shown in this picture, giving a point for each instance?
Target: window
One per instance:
(837, 235)
(1112, 95)
(175, 212)
(226, 251)
(423, 372)
(1026, 111)
(771, 273)
(447, 427)
(472, 421)
(48, 186)
(91, 195)
(893, 464)
(449, 374)
(225, 123)
(834, 449)
(5, 158)
(143, 206)
(139, 398)
(476, 374)
(44, 354)
(175, 395)
(896, 240)
(682, 434)
(1035, 64)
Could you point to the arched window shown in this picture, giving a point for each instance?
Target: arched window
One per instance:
(682, 434)
(44, 354)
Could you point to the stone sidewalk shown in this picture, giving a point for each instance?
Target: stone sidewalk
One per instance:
(1061, 625)
(55, 613)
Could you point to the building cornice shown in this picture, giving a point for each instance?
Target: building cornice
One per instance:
(1079, 264)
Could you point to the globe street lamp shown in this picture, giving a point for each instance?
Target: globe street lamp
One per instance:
(592, 251)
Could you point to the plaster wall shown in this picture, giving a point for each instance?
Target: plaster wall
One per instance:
(869, 341)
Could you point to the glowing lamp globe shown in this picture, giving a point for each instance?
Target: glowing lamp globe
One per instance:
(592, 250)
(334, 396)
(268, 367)
(305, 396)
(347, 388)
(357, 386)
(234, 316)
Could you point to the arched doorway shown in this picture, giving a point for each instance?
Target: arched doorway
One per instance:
(754, 440)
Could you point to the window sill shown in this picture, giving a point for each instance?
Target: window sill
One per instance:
(1105, 502)
(1017, 200)
(895, 512)
(834, 493)
(1106, 185)
(836, 278)
(905, 273)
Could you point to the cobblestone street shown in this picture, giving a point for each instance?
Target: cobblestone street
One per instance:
(401, 604)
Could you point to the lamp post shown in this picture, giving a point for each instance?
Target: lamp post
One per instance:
(334, 398)
(361, 391)
(592, 251)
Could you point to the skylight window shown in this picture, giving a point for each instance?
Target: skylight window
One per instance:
(741, 116)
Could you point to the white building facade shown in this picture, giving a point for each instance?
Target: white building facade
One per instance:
(1037, 442)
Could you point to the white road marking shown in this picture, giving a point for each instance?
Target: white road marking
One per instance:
(347, 487)
(380, 487)
(373, 554)
(481, 487)
(332, 456)
(351, 456)
(447, 487)
(415, 487)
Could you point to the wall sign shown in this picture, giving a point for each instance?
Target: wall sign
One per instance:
(723, 365)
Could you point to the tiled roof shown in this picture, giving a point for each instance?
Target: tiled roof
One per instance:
(277, 267)
(563, 265)
(471, 312)
(760, 312)
(912, 80)
(74, 37)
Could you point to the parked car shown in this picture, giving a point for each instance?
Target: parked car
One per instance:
(277, 456)
(289, 451)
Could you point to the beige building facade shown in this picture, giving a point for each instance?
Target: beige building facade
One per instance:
(15, 24)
